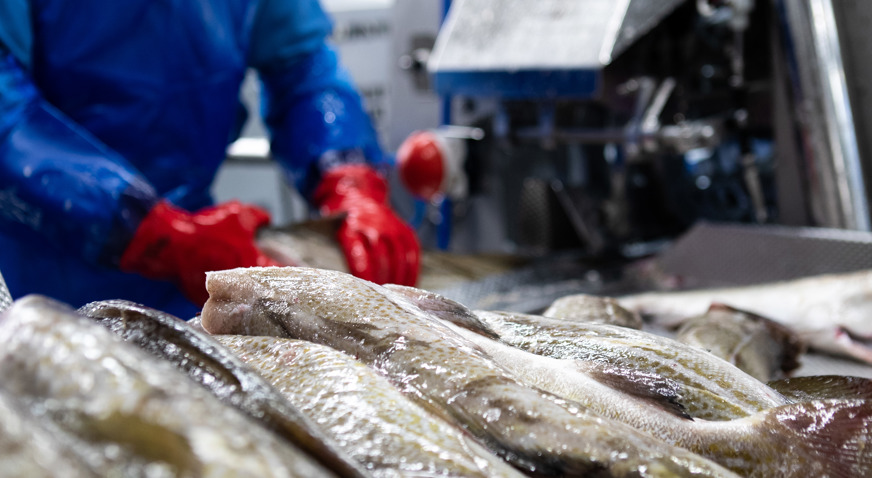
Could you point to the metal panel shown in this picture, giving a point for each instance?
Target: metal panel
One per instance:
(544, 48)
(641, 17)
(714, 255)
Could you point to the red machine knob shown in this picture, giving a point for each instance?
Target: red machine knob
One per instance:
(422, 164)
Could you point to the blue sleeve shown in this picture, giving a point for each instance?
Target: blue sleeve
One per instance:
(59, 182)
(313, 111)
(15, 32)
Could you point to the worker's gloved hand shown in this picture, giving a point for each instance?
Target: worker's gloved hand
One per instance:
(174, 244)
(378, 245)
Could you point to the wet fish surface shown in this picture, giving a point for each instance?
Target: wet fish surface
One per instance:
(443, 308)
(830, 312)
(593, 309)
(823, 387)
(140, 414)
(430, 362)
(375, 422)
(32, 448)
(216, 368)
(704, 385)
(765, 444)
(763, 348)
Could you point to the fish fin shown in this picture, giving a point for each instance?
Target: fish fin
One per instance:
(842, 341)
(649, 387)
(830, 437)
(823, 387)
(444, 308)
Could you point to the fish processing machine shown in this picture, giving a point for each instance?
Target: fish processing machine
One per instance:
(614, 128)
(612, 124)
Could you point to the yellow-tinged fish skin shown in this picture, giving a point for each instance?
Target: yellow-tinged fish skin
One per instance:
(709, 387)
(374, 422)
(819, 308)
(593, 309)
(143, 414)
(216, 368)
(430, 362)
(763, 348)
(744, 445)
(33, 448)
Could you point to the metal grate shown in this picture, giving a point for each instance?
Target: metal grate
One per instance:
(714, 255)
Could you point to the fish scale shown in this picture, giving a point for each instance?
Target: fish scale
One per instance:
(217, 369)
(711, 388)
(34, 448)
(376, 424)
(747, 445)
(830, 311)
(144, 417)
(429, 361)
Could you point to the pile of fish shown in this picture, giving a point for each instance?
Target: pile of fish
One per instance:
(296, 371)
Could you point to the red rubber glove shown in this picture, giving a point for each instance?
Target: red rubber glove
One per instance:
(174, 244)
(378, 245)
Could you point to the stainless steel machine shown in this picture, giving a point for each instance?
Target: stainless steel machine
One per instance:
(615, 124)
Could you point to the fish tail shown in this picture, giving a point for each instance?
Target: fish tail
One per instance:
(830, 437)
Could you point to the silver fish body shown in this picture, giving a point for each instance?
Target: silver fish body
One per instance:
(377, 425)
(593, 309)
(706, 386)
(430, 362)
(33, 448)
(217, 369)
(764, 349)
(831, 312)
(443, 308)
(824, 387)
(141, 415)
(765, 444)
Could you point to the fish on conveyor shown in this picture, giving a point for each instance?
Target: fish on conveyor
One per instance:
(377, 425)
(443, 308)
(830, 312)
(704, 385)
(766, 444)
(32, 448)
(823, 387)
(763, 348)
(230, 379)
(428, 361)
(144, 416)
(593, 309)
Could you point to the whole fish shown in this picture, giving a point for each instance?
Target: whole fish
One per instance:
(593, 309)
(703, 385)
(377, 425)
(764, 349)
(230, 379)
(430, 362)
(145, 418)
(765, 444)
(830, 312)
(704, 388)
(33, 448)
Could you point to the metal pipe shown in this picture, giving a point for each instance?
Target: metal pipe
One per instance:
(837, 192)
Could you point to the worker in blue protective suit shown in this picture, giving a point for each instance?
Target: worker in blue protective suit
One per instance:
(114, 117)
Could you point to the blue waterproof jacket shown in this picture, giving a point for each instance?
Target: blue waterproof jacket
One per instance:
(108, 106)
